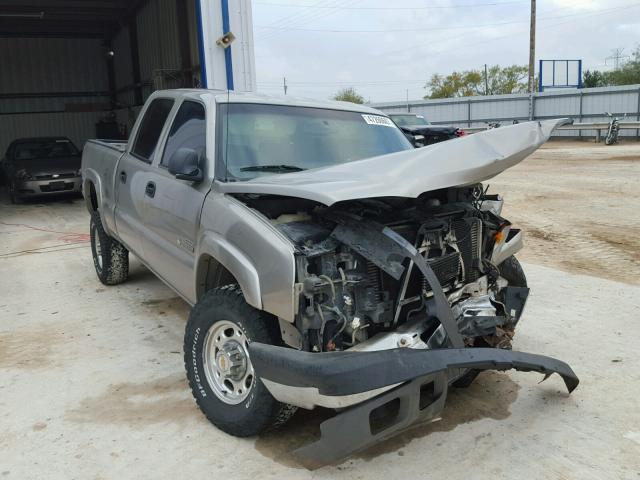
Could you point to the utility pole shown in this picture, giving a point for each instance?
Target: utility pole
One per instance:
(284, 84)
(532, 47)
(486, 81)
(616, 57)
(408, 109)
(532, 59)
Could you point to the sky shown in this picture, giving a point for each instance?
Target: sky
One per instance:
(383, 48)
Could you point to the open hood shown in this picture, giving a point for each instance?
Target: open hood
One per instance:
(462, 161)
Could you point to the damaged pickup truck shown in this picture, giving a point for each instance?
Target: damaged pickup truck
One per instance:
(328, 262)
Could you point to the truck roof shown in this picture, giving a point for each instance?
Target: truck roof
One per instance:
(224, 96)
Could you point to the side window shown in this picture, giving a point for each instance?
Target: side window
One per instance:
(188, 131)
(151, 128)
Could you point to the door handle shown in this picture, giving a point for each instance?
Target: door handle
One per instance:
(150, 189)
(123, 176)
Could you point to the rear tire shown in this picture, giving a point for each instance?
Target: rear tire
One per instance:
(227, 390)
(110, 258)
(512, 271)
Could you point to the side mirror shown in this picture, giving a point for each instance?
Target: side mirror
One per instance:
(185, 165)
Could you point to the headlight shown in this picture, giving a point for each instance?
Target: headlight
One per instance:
(23, 175)
(79, 172)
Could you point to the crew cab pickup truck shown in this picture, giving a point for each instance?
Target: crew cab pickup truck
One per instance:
(328, 262)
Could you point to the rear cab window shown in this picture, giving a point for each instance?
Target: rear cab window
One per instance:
(150, 129)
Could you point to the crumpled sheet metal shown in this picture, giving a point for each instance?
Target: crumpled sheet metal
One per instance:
(462, 161)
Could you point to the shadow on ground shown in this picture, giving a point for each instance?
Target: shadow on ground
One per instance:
(490, 396)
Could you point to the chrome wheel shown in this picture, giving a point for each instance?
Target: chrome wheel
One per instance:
(226, 362)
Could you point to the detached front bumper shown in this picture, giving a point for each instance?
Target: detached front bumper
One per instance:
(382, 392)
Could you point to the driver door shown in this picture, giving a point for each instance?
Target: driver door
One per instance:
(172, 206)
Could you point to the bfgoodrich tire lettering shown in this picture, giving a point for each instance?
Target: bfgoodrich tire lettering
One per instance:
(258, 410)
(110, 257)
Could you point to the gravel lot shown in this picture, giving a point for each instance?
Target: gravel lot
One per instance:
(92, 382)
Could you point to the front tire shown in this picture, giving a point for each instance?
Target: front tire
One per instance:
(512, 272)
(218, 366)
(110, 258)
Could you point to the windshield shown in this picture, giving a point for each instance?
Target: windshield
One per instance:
(50, 148)
(261, 139)
(409, 120)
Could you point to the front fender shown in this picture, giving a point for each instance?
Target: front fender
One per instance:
(245, 243)
(236, 262)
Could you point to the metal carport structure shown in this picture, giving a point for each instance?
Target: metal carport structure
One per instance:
(79, 68)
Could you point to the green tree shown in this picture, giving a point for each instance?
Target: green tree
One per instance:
(500, 80)
(513, 79)
(349, 95)
(628, 74)
(456, 84)
(595, 78)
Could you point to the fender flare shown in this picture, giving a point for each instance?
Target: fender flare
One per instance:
(90, 176)
(235, 261)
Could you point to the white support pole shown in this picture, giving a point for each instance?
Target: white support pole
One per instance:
(214, 15)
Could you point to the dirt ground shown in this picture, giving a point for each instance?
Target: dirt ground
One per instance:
(579, 206)
(92, 381)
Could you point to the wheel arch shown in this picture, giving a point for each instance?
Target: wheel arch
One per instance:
(90, 196)
(220, 264)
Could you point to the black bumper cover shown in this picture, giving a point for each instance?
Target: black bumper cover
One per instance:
(347, 373)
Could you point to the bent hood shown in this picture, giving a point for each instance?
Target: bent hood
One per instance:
(462, 161)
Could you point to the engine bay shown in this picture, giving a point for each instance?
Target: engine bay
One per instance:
(357, 284)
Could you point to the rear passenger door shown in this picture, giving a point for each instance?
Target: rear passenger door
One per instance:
(134, 174)
(172, 214)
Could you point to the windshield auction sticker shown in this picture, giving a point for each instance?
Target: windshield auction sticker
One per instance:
(378, 120)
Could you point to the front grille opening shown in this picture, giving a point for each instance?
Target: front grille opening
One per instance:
(384, 416)
(427, 395)
(56, 188)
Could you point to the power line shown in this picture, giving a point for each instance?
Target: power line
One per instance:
(390, 83)
(389, 30)
(430, 7)
(288, 18)
(448, 40)
(422, 29)
(305, 18)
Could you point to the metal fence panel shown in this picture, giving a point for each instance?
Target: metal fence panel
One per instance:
(584, 105)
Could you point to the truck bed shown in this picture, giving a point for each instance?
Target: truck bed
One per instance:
(118, 145)
(100, 160)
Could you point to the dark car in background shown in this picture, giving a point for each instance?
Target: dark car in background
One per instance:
(41, 166)
(421, 132)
